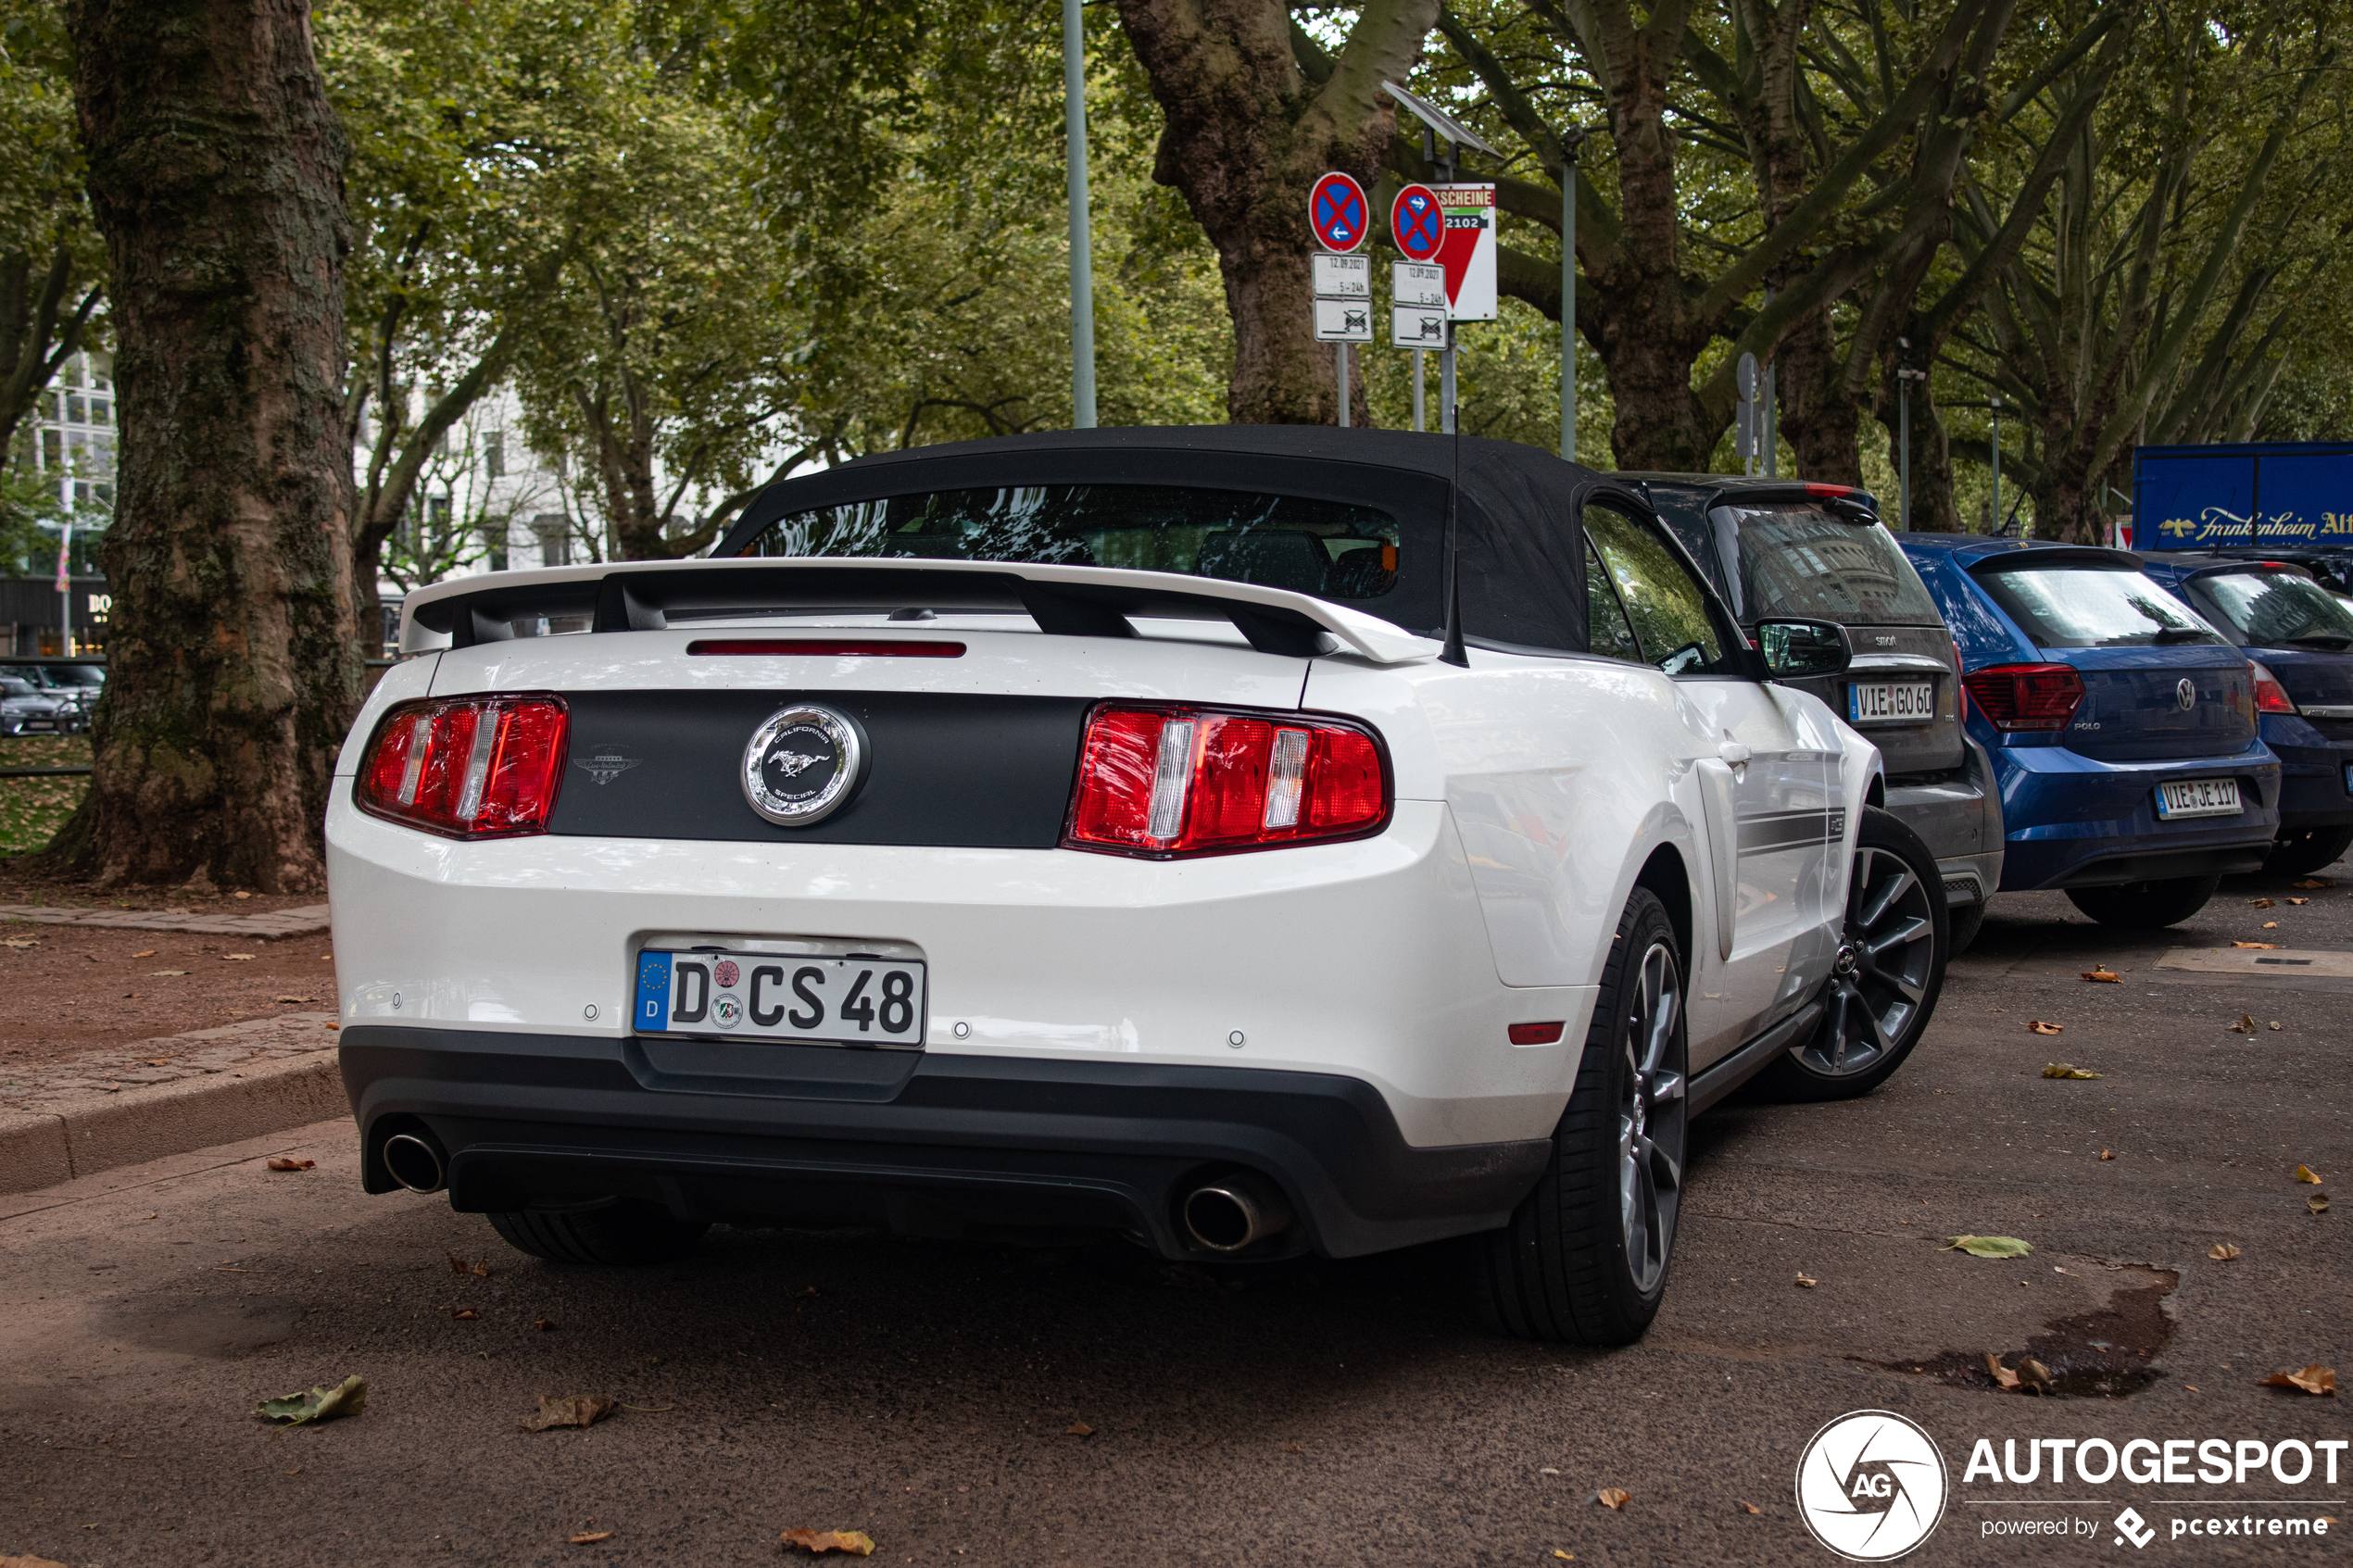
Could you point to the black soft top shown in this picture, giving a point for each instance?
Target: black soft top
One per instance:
(1522, 553)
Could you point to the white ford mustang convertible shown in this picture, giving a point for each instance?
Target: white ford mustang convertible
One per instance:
(1245, 841)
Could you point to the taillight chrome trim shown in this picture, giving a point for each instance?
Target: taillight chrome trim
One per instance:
(482, 746)
(1173, 776)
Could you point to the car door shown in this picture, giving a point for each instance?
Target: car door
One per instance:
(1763, 772)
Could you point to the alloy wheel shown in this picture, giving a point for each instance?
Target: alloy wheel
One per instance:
(1651, 1116)
(1885, 955)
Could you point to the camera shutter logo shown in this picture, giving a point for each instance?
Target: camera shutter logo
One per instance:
(1871, 1485)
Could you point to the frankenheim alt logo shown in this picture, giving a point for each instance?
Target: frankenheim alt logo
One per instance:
(1871, 1485)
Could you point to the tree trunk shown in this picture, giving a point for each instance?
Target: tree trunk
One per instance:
(1248, 131)
(216, 174)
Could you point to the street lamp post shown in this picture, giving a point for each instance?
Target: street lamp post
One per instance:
(1082, 266)
(1571, 140)
(1996, 518)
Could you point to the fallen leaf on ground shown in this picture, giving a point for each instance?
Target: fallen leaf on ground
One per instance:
(463, 1315)
(573, 1410)
(1302, 1448)
(2271, 925)
(1613, 1497)
(2222, 1251)
(293, 998)
(2107, 1154)
(148, 954)
(460, 1266)
(2317, 1203)
(2104, 973)
(347, 1397)
(288, 1163)
(52, 1562)
(2245, 1025)
(2312, 1380)
(21, 943)
(545, 1325)
(856, 1542)
(2260, 903)
(2033, 1376)
(237, 958)
(2314, 882)
(1808, 1281)
(2037, 1026)
(2305, 1174)
(2277, 1026)
(2266, 946)
(590, 1537)
(2068, 1070)
(1563, 1556)
(1079, 1429)
(2299, 900)
(164, 973)
(1987, 1246)
(1750, 1508)
(2003, 1376)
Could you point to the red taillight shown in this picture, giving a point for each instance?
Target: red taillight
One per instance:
(1186, 781)
(1536, 1034)
(2270, 695)
(2026, 697)
(1829, 492)
(471, 767)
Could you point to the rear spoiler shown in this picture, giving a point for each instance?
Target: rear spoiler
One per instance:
(1078, 601)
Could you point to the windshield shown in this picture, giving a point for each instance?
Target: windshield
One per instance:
(2273, 609)
(1796, 559)
(2085, 605)
(1332, 549)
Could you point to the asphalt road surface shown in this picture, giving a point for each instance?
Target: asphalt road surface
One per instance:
(1301, 1414)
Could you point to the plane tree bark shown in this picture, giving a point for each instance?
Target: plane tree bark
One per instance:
(215, 176)
(1255, 114)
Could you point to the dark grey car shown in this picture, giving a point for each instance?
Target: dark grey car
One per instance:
(1786, 549)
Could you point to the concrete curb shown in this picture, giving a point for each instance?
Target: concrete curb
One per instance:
(98, 1133)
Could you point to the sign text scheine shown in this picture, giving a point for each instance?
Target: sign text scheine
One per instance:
(1468, 252)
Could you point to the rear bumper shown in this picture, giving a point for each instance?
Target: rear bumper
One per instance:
(2076, 822)
(2313, 791)
(926, 1144)
(1960, 818)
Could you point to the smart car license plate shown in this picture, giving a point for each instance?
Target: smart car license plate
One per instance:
(1891, 702)
(2199, 798)
(781, 997)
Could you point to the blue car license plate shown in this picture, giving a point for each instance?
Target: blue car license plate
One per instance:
(2199, 798)
(783, 997)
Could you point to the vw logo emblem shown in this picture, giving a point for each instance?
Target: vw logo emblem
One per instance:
(2185, 694)
(801, 765)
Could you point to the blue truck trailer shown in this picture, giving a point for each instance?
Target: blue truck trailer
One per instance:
(2237, 496)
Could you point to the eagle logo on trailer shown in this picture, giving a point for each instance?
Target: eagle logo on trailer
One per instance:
(1871, 1485)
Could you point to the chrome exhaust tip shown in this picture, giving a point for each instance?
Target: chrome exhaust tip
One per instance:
(415, 1161)
(1234, 1212)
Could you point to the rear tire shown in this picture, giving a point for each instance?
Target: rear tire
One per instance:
(608, 1233)
(1961, 926)
(1584, 1260)
(1890, 971)
(2146, 906)
(2300, 853)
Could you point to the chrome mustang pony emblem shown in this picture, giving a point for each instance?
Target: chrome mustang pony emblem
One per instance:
(802, 765)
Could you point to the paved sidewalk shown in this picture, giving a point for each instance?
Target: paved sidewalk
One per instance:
(301, 921)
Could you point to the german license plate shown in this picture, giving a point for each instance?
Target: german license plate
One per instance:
(781, 997)
(2199, 798)
(1891, 702)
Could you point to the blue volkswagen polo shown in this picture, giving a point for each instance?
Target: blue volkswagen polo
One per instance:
(2121, 726)
(2301, 638)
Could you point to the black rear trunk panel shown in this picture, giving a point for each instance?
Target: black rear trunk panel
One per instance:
(948, 769)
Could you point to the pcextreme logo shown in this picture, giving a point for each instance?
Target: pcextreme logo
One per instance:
(1871, 1485)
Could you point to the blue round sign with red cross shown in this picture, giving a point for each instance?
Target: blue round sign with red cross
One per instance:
(1339, 213)
(1416, 223)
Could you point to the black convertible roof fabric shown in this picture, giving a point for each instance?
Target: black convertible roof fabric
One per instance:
(1522, 558)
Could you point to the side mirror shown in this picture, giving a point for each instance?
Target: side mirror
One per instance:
(1798, 650)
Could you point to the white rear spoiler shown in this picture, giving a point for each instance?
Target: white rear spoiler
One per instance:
(1064, 600)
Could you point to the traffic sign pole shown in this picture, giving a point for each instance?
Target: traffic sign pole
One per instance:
(1418, 387)
(1446, 383)
(1341, 355)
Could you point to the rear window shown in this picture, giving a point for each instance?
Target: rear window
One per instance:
(2084, 605)
(2276, 607)
(1331, 549)
(1796, 559)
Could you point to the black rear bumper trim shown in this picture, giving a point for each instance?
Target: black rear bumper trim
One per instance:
(969, 1143)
